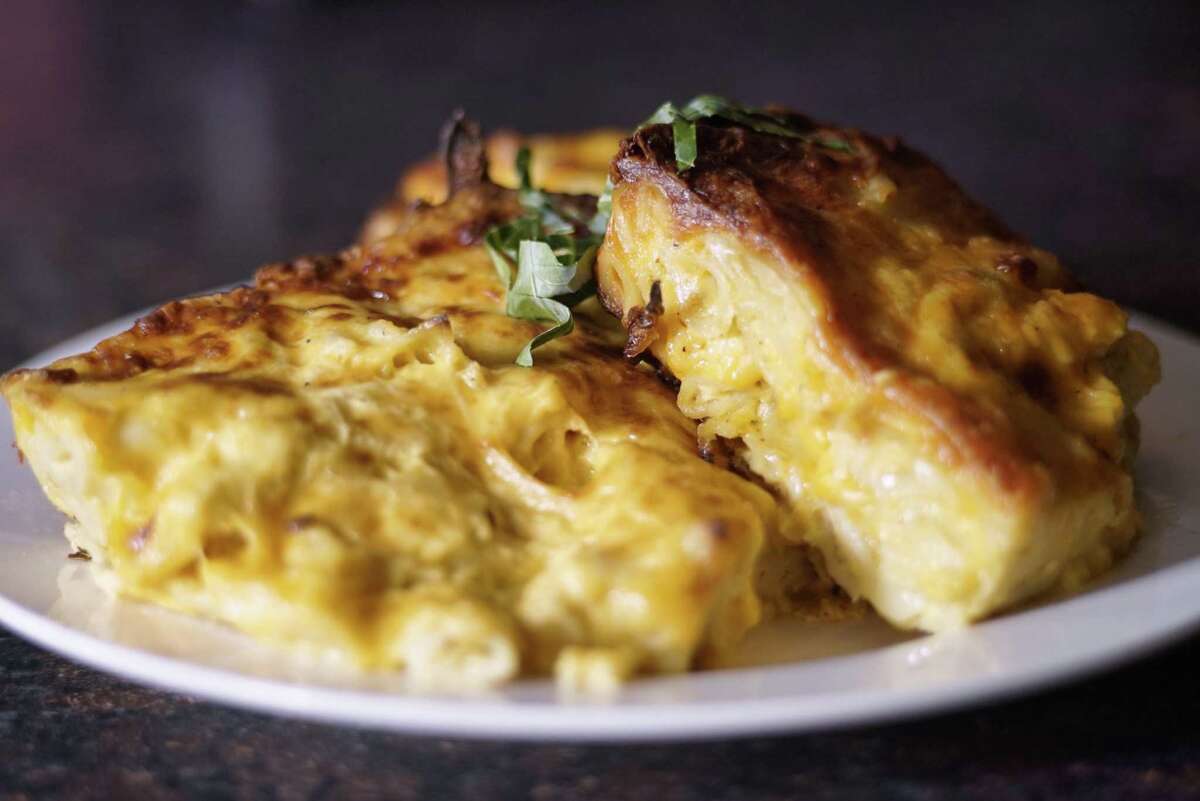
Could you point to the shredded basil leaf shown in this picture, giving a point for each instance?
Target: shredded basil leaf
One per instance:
(545, 266)
(683, 125)
(599, 223)
(663, 115)
(684, 132)
(835, 144)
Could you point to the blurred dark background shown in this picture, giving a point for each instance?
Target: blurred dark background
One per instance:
(148, 150)
(153, 149)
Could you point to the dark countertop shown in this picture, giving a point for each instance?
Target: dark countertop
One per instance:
(153, 150)
(69, 733)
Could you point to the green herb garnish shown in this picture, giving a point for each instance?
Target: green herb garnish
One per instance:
(683, 125)
(552, 262)
(541, 257)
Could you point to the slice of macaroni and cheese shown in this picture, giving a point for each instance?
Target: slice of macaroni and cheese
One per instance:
(952, 417)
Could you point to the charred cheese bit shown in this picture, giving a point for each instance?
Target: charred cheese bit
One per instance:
(952, 419)
(344, 456)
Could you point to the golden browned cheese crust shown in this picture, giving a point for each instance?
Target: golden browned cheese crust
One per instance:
(861, 290)
(344, 456)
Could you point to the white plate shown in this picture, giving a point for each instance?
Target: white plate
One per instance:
(795, 677)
